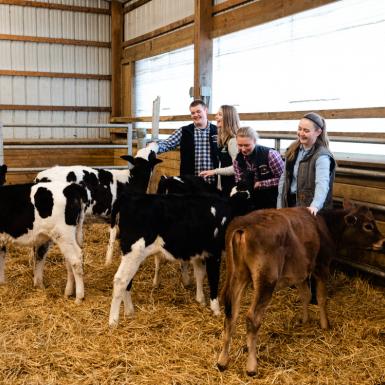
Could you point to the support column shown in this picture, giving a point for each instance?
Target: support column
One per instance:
(116, 54)
(203, 50)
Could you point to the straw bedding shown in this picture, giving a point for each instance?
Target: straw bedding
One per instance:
(46, 339)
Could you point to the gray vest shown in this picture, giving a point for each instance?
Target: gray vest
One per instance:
(306, 178)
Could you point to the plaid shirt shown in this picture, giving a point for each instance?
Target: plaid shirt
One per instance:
(276, 166)
(203, 159)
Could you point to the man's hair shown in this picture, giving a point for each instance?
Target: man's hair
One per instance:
(198, 102)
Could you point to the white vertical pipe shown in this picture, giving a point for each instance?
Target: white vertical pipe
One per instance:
(155, 118)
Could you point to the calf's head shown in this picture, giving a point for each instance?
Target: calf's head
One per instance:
(144, 163)
(361, 230)
(240, 197)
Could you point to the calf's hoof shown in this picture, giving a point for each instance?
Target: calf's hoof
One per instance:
(113, 323)
(39, 285)
(79, 301)
(221, 367)
(252, 373)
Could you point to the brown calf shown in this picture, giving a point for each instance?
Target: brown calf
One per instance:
(278, 248)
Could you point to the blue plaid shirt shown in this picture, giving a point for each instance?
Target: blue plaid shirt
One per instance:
(203, 159)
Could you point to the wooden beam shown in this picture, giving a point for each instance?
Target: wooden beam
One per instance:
(135, 5)
(343, 113)
(229, 4)
(25, 107)
(203, 50)
(54, 75)
(116, 51)
(262, 11)
(62, 7)
(249, 15)
(54, 40)
(160, 31)
(165, 43)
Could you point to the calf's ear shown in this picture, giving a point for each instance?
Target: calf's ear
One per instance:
(350, 220)
(347, 204)
(129, 158)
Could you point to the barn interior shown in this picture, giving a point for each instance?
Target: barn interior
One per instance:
(85, 81)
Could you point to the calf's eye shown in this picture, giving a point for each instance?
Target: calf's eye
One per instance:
(368, 226)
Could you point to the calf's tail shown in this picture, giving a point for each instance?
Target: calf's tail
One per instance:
(233, 248)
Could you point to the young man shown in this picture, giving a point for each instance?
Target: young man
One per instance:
(197, 141)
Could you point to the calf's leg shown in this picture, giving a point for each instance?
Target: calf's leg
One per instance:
(3, 251)
(232, 304)
(185, 273)
(74, 261)
(39, 257)
(110, 247)
(213, 265)
(199, 273)
(322, 299)
(263, 292)
(128, 267)
(305, 295)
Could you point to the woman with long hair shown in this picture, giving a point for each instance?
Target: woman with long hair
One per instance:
(228, 123)
(309, 168)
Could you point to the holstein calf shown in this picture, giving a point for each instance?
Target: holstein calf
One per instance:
(278, 248)
(104, 185)
(185, 227)
(190, 185)
(239, 203)
(36, 214)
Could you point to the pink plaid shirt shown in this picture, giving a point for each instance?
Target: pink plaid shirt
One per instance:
(276, 166)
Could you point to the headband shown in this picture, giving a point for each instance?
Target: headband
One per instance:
(313, 117)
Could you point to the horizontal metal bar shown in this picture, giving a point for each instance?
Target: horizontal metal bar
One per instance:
(356, 172)
(333, 138)
(79, 125)
(52, 146)
(372, 206)
(364, 267)
(37, 169)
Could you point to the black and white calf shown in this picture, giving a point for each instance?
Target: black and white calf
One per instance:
(239, 202)
(186, 227)
(36, 214)
(104, 185)
(186, 184)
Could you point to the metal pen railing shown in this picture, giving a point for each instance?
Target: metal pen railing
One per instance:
(127, 145)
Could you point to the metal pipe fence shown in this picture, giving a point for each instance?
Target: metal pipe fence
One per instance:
(127, 145)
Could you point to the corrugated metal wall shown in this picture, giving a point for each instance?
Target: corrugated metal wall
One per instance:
(155, 14)
(46, 57)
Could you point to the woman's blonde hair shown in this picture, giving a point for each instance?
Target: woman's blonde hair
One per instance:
(322, 139)
(230, 124)
(247, 132)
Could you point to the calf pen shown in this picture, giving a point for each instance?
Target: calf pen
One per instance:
(47, 339)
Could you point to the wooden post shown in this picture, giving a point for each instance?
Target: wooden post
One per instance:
(128, 72)
(116, 53)
(203, 50)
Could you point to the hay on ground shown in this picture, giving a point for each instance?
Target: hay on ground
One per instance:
(46, 339)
